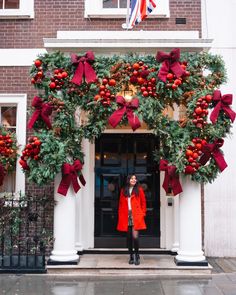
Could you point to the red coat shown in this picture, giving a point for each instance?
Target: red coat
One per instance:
(138, 206)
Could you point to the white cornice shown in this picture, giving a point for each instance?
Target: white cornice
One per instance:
(106, 42)
(19, 56)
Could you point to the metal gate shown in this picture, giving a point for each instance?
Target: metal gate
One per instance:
(25, 233)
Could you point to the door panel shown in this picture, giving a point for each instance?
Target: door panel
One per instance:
(116, 156)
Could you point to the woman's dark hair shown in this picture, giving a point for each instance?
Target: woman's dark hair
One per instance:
(127, 186)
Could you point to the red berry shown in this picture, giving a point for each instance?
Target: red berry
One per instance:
(104, 81)
(64, 74)
(169, 76)
(198, 111)
(112, 82)
(208, 98)
(52, 85)
(136, 66)
(177, 82)
(37, 63)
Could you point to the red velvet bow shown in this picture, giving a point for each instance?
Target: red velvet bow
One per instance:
(2, 174)
(169, 62)
(171, 178)
(70, 175)
(213, 149)
(223, 103)
(84, 69)
(125, 108)
(43, 110)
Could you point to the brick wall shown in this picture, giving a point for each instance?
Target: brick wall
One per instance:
(52, 16)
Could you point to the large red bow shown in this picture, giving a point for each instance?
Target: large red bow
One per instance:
(213, 149)
(70, 175)
(43, 110)
(171, 178)
(84, 69)
(125, 108)
(223, 103)
(169, 62)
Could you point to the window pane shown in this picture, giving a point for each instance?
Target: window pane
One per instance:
(110, 3)
(8, 116)
(1, 4)
(12, 4)
(8, 183)
(123, 3)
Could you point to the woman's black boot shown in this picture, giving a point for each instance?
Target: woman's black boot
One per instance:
(131, 259)
(137, 259)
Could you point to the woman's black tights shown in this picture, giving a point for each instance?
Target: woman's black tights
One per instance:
(132, 240)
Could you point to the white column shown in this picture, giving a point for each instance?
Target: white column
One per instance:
(190, 248)
(64, 226)
(175, 245)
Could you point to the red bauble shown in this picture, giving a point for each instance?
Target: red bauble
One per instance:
(37, 63)
(112, 82)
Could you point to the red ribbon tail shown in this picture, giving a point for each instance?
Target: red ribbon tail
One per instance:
(116, 117)
(64, 185)
(231, 114)
(220, 161)
(75, 182)
(204, 158)
(215, 113)
(176, 186)
(82, 180)
(89, 73)
(176, 69)
(133, 120)
(165, 184)
(163, 71)
(33, 119)
(78, 75)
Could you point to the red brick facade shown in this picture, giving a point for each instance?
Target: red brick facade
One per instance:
(52, 16)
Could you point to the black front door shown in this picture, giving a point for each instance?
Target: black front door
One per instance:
(116, 156)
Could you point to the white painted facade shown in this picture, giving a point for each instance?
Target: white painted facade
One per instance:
(220, 202)
(219, 24)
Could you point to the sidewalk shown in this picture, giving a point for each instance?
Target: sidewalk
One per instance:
(219, 284)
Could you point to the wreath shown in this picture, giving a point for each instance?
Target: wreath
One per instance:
(8, 152)
(79, 96)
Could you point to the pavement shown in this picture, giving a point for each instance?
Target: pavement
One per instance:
(222, 281)
(219, 284)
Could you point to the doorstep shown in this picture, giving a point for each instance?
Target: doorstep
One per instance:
(117, 265)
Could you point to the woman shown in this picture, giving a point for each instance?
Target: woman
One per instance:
(131, 212)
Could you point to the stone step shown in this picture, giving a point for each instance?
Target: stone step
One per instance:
(117, 265)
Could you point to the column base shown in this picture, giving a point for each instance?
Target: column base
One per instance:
(63, 258)
(54, 262)
(190, 263)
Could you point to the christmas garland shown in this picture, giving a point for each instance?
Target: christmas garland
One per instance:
(128, 89)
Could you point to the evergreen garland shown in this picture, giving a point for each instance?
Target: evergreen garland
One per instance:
(52, 73)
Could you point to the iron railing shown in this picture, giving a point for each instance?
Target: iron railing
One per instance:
(25, 233)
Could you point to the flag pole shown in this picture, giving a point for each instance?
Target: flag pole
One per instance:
(127, 14)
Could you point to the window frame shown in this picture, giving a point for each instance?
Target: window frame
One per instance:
(94, 9)
(20, 101)
(26, 10)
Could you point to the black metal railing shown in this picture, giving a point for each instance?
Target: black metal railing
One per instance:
(25, 233)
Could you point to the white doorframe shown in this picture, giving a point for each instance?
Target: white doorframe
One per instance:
(86, 203)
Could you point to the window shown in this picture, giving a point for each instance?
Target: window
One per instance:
(13, 116)
(118, 9)
(16, 9)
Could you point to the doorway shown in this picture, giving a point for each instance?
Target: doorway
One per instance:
(116, 156)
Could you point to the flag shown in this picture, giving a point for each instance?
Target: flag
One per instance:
(140, 9)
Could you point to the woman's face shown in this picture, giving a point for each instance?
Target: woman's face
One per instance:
(133, 180)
